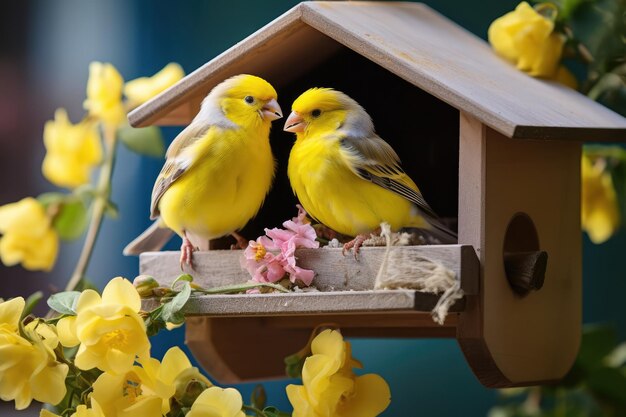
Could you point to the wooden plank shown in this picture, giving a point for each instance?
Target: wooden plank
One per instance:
(313, 303)
(415, 43)
(345, 285)
(222, 345)
(421, 46)
(334, 272)
(508, 339)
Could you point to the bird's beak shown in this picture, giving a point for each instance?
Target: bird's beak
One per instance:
(295, 123)
(271, 111)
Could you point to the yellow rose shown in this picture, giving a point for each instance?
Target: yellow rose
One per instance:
(599, 209)
(122, 396)
(527, 39)
(72, 151)
(104, 94)
(163, 378)
(27, 236)
(331, 389)
(109, 329)
(28, 370)
(142, 89)
(217, 402)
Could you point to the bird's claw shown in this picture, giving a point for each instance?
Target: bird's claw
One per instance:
(186, 254)
(242, 242)
(355, 244)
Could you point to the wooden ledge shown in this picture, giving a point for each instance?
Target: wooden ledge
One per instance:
(219, 327)
(334, 272)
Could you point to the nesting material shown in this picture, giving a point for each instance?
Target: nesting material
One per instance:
(402, 270)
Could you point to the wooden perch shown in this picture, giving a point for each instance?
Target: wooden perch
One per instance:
(525, 271)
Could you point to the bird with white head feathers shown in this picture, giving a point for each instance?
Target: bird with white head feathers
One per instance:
(218, 169)
(346, 176)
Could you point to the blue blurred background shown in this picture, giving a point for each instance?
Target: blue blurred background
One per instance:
(45, 49)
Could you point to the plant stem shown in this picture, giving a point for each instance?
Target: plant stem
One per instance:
(236, 288)
(101, 201)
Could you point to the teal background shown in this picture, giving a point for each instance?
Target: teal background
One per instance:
(50, 47)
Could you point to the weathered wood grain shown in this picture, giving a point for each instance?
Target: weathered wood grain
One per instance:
(413, 42)
(345, 285)
(314, 303)
(334, 271)
(507, 339)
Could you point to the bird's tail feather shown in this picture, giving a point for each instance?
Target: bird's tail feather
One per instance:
(152, 239)
(442, 233)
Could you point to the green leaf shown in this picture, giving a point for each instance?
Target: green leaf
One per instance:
(146, 141)
(64, 302)
(112, 210)
(71, 220)
(47, 199)
(617, 358)
(597, 342)
(183, 278)
(569, 7)
(274, 412)
(31, 303)
(609, 384)
(171, 310)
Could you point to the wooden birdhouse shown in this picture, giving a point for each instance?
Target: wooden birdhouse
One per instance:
(486, 144)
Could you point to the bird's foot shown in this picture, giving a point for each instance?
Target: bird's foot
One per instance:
(186, 253)
(355, 244)
(242, 242)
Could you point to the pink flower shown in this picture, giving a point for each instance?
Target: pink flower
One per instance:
(265, 266)
(262, 265)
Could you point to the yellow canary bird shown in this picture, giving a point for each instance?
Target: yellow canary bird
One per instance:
(218, 169)
(346, 176)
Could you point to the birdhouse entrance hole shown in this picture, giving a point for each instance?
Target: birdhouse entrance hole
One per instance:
(524, 264)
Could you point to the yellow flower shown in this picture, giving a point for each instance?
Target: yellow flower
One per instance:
(142, 89)
(28, 370)
(217, 402)
(81, 411)
(565, 77)
(72, 151)
(104, 94)
(599, 209)
(527, 39)
(165, 378)
(27, 236)
(109, 329)
(330, 387)
(122, 396)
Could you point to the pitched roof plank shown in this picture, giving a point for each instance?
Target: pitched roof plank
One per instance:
(415, 43)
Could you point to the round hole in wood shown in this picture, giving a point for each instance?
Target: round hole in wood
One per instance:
(524, 263)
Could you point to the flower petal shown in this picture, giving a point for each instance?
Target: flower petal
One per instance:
(121, 291)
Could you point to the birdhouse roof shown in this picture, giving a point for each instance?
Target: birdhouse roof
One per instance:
(415, 43)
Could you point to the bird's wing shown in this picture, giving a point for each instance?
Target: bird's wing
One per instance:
(177, 162)
(374, 160)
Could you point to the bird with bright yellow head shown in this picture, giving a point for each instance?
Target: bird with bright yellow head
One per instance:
(217, 171)
(346, 176)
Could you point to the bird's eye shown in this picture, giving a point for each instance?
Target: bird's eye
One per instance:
(249, 99)
(316, 113)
